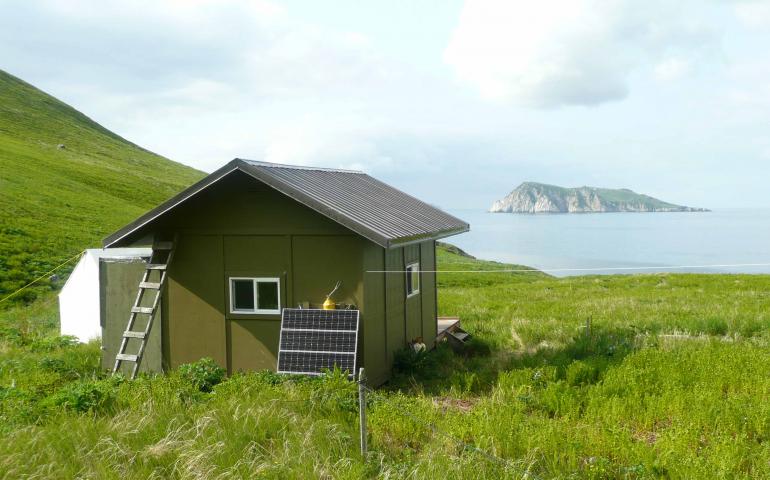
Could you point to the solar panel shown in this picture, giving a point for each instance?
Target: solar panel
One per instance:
(314, 340)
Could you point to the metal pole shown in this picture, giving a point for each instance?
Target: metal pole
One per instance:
(362, 408)
(588, 327)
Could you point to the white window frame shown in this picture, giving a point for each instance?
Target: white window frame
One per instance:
(256, 309)
(410, 269)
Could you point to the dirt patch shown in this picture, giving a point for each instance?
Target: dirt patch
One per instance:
(447, 404)
(647, 437)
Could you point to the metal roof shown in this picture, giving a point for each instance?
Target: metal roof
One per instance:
(365, 205)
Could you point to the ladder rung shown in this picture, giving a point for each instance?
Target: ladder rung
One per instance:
(126, 357)
(156, 266)
(163, 245)
(152, 285)
(147, 310)
(129, 334)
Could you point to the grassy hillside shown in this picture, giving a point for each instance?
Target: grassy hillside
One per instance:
(65, 182)
(670, 382)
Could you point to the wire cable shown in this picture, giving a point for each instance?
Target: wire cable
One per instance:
(592, 269)
(42, 276)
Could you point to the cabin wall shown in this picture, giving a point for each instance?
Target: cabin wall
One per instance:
(412, 318)
(240, 228)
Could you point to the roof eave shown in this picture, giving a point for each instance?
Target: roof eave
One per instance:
(401, 242)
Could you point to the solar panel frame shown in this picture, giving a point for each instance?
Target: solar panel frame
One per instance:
(311, 325)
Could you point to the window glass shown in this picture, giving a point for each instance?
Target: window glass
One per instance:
(242, 292)
(267, 295)
(412, 279)
(416, 279)
(409, 280)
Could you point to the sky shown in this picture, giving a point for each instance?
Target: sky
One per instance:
(456, 102)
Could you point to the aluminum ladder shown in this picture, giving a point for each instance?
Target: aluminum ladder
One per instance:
(145, 305)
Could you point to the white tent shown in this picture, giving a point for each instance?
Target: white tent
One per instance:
(79, 308)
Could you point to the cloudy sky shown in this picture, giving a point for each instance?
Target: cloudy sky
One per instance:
(454, 101)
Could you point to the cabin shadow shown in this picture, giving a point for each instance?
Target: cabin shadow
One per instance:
(475, 370)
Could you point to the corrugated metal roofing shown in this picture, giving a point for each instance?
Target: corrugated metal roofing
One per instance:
(365, 205)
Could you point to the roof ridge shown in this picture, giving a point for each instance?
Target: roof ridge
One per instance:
(260, 163)
(363, 204)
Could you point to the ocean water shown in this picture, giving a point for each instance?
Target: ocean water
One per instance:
(606, 243)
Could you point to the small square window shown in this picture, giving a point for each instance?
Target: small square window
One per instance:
(255, 295)
(412, 279)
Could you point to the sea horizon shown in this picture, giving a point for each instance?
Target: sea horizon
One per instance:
(723, 240)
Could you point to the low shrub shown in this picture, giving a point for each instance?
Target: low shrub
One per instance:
(581, 373)
(409, 361)
(11, 335)
(47, 344)
(270, 378)
(476, 347)
(203, 374)
(713, 326)
(87, 395)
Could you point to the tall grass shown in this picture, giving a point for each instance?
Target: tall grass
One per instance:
(671, 382)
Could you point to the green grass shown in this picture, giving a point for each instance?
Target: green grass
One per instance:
(539, 308)
(671, 382)
(54, 202)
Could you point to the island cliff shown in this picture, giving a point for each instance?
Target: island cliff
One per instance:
(532, 197)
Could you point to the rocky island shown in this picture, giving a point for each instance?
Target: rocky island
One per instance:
(532, 197)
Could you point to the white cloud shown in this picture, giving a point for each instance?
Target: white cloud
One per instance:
(582, 52)
(203, 81)
(748, 89)
(244, 75)
(255, 46)
(671, 69)
(753, 13)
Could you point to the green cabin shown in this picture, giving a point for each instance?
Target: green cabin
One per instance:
(255, 237)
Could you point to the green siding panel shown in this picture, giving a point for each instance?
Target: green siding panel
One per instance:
(318, 262)
(196, 299)
(253, 344)
(395, 296)
(413, 303)
(428, 291)
(373, 325)
(260, 254)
